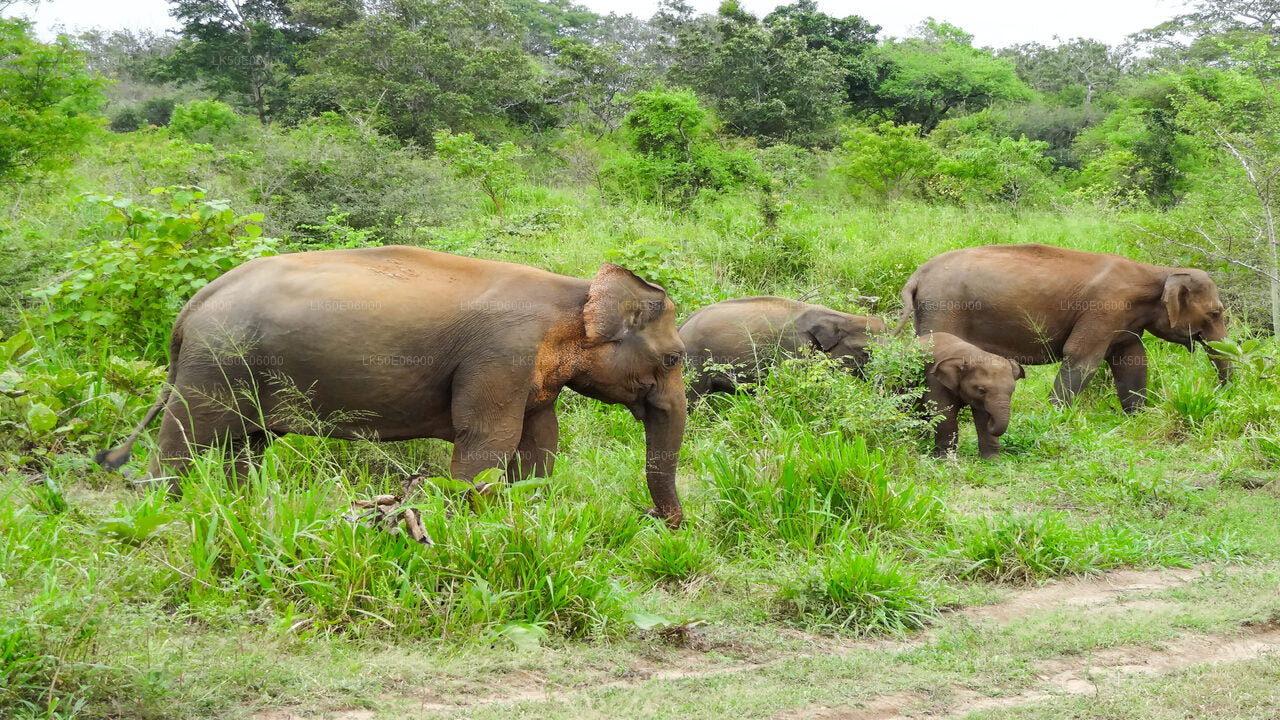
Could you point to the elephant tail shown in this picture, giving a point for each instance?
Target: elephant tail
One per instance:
(908, 304)
(115, 458)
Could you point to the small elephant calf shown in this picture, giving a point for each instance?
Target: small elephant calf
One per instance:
(963, 374)
(750, 333)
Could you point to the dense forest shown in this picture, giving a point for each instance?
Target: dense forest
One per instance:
(798, 153)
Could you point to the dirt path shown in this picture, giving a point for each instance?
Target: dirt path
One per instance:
(1059, 676)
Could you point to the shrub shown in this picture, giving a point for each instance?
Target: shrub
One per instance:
(47, 99)
(674, 152)
(206, 121)
(145, 264)
(126, 120)
(889, 160)
(494, 169)
(330, 166)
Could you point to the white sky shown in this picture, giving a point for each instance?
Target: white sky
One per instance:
(994, 23)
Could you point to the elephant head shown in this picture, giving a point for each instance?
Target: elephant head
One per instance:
(842, 336)
(632, 355)
(1192, 313)
(982, 381)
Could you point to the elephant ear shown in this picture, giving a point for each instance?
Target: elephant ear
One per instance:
(1176, 289)
(1018, 372)
(948, 372)
(826, 334)
(618, 303)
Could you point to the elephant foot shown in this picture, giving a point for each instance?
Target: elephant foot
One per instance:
(674, 521)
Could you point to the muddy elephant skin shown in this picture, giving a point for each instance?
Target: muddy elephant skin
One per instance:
(395, 343)
(751, 333)
(1040, 304)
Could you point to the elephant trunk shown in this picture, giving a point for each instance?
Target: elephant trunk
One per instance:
(1220, 363)
(998, 418)
(663, 414)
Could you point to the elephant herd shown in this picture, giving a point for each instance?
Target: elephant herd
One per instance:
(396, 343)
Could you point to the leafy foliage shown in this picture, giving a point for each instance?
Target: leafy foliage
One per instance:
(130, 284)
(494, 169)
(766, 80)
(675, 154)
(47, 97)
(420, 66)
(889, 160)
(930, 76)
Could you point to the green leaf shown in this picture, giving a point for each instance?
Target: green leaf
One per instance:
(40, 418)
(524, 636)
(648, 621)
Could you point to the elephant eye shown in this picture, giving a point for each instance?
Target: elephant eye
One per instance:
(671, 360)
(1215, 314)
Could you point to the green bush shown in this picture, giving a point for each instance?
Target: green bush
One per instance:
(143, 265)
(206, 121)
(126, 120)
(494, 169)
(674, 154)
(330, 166)
(891, 161)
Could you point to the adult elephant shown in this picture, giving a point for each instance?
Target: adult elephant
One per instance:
(1039, 304)
(395, 343)
(749, 334)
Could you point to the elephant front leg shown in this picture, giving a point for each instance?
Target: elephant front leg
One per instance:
(487, 429)
(1128, 363)
(536, 453)
(946, 434)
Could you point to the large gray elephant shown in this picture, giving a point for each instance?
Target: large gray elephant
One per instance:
(396, 343)
(960, 374)
(750, 333)
(1040, 304)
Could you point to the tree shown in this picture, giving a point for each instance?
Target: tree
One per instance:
(887, 159)
(493, 168)
(1213, 33)
(765, 82)
(1083, 63)
(546, 21)
(47, 99)
(1138, 153)
(422, 65)
(1238, 116)
(851, 39)
(244, 50)
(674, 152)
(939, 71)
(596, 78)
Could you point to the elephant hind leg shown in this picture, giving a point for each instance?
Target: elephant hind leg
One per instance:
(191, 426)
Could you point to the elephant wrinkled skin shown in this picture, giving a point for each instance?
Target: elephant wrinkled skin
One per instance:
(396, 343)
(961, 374)
(1040, 304)
(749, 334)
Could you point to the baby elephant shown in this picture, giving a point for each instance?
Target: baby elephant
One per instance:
(963, 374)
(750, 333)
